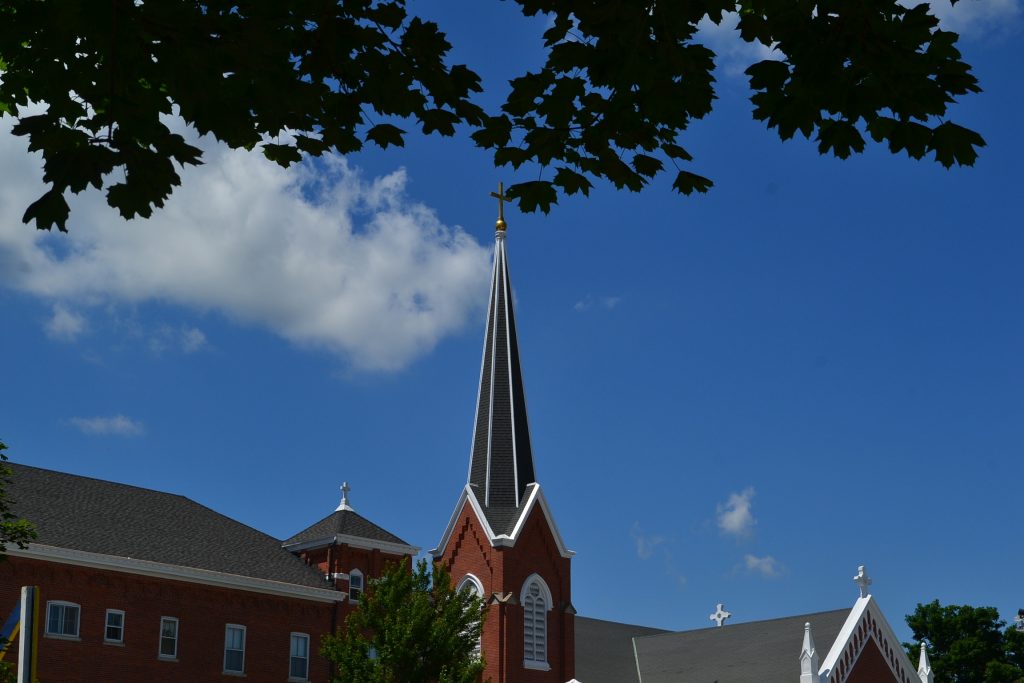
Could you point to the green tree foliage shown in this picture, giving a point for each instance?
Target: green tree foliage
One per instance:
(621, 82)
(967, 644)
(410, 627)
(12, 528)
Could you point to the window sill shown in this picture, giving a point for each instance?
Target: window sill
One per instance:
(60, 636)
(536, 666)
(115, 643)
(292, 679)
(166, 658)
(235, 674)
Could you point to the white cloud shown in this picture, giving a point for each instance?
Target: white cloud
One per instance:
(589, 302)
(117, 425)
(974, 17)
(185, 339)
(316, 254)
(734, 516)
(64, 324)
(645, 545)
(766, 566)
(733, 54)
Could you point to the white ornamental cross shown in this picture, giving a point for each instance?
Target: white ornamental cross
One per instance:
(720, 615)
(863, 581)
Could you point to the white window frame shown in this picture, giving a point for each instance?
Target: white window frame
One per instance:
(227, 629)
(473, 584)
(160, 640)
(292, 678)
(106, 626)
(63, 605)
(355, 573)
(532, 615)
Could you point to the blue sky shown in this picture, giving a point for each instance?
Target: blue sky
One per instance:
(735, 398)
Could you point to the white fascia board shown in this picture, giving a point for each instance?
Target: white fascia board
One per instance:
(535, 497)
(466, 495)
(860, 609)
(129, 565)
(355, 542)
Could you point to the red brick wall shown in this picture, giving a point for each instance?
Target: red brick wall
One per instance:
(505, 570)
(871, 667)
(202, 611)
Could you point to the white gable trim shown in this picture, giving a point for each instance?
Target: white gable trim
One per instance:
(174, 572)
(355, 542)
(534, 498)
(855, 634)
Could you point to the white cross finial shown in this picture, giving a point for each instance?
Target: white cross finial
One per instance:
(863, 581)
(343, 505)
(720, 615)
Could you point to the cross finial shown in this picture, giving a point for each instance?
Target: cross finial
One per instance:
(343, 505)
(720, 615)
(501, 226)
(862, 580)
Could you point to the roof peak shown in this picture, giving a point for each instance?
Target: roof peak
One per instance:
(343, 505)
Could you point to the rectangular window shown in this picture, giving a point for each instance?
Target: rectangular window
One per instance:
(355, 585)
(234, 649)
(114, 631)
(62, 619)
(298, 665)
(168, 638)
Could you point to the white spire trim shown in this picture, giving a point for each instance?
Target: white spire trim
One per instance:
(809, 662)
(924, 667)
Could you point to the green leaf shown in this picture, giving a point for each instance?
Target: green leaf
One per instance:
(282, 155)
(572, 182)
(676, 152)
(688, 183)
(647, 166)
(47, 211)
(955, 144)
(496, 132)
(533, 195)
(511, 155)
(439, 120)
(385, 134)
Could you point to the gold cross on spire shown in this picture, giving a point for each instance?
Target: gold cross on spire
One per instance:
(501, 226)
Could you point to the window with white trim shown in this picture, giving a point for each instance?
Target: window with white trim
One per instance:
(535, 623)
(113, 629)
(168, 638)
(298, 662)
(355, 585)
(62, 619)
(472, 584)
(234, 649)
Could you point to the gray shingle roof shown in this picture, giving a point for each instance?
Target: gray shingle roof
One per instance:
(604, 650)
(501, 463)
(344, 522)
(97, 516)
(752, 652)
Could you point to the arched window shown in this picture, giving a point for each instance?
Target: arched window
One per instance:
(355, 585)
(536, 601)
(472, 584)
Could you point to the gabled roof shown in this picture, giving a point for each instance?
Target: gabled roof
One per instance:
(348, 525)
(534, 499)
(104, 518)
(866, 635)
(751, 652)
(501, 461)
(604, 650)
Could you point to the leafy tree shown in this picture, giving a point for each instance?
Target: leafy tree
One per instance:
(12, 528)
(410, 627)
(967, 644)
(621, 82)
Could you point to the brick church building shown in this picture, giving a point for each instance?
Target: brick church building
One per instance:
(140, 585)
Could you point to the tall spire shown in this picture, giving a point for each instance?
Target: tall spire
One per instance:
(501, 463)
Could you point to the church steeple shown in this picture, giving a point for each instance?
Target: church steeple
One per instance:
(501, 463)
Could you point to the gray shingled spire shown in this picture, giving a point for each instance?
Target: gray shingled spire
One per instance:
(501, 464)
